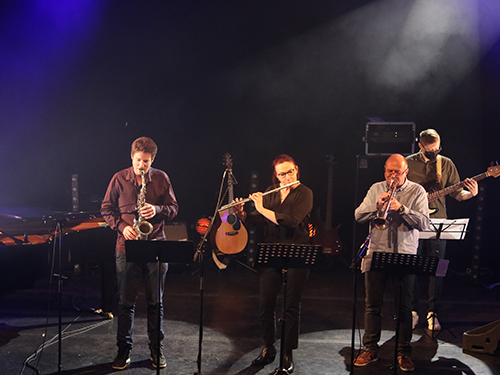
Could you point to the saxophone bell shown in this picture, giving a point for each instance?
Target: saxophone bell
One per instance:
(144, 228)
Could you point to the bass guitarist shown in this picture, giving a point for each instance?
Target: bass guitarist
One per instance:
(435, 172)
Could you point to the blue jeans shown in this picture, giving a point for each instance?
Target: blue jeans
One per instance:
(130, 275)
(435, 284)
(375, 283)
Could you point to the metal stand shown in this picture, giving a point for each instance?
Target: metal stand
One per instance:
(285, 256)
(444, 229)
(356, 267)
(159, 252)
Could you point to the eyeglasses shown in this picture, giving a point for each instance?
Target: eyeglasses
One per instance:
(289, 173)
(396, 173)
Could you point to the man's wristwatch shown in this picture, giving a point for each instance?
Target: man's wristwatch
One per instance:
(401, 209)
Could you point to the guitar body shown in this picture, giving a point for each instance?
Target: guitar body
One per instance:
(328, 238)
(231, 236)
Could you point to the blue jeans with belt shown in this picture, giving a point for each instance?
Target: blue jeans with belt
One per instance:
(130, 275)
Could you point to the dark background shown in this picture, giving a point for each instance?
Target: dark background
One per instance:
(80, 80)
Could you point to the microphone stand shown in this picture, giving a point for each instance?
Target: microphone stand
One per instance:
(356, 266)
(199, 254)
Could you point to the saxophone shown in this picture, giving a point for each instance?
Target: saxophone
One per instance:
(142, 227)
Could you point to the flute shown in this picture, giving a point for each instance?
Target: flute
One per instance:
(248, 199)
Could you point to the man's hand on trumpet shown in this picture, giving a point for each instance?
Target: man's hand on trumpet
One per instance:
(383, 199)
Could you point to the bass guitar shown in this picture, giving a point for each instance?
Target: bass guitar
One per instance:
(326, 235)
(231, 236)
(432, 196)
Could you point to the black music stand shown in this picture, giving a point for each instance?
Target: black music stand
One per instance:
(444, 229)
(159, 252)
(284, 256)
(398, 264)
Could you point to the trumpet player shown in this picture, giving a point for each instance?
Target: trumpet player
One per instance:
(396, 209)
(149, 193)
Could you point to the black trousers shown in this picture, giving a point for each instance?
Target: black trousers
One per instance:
(270, 286)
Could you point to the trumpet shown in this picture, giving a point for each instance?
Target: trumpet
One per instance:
(248, 199)
(380, 221)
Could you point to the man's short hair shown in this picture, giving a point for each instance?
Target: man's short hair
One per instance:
(429, 136)
(144, 144)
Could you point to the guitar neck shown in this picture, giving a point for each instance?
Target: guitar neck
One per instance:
(230, 192)
(329, 199)
(450, 189)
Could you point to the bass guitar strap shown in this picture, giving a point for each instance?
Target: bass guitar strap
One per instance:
(438, 168)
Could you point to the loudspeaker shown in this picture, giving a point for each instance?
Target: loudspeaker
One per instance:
(483, 339)
(386, 138)
(176, 231)
(369, 169)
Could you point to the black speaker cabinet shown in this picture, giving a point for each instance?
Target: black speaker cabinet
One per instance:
(369, 169)
(483, 339)
(386, 138)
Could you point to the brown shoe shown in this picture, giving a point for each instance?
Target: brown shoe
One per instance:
(366, 357)
(405, 363)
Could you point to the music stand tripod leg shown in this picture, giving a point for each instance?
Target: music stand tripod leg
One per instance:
(280, 370)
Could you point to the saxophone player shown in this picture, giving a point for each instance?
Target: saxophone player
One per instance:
(148, 191)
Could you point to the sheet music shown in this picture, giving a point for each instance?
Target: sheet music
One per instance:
(451, 229)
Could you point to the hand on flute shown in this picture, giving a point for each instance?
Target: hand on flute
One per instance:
(238, 209)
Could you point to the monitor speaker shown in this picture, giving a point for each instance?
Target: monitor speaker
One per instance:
(484, 339)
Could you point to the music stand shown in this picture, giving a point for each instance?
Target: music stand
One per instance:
(444, 229)
(159, 252)
(284, 256)
(398, 264)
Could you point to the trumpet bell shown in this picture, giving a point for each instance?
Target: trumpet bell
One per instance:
(380, 223)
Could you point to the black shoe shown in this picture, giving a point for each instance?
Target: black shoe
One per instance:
(288, 365)
(266, 356)
(122, 359)
(154, 358)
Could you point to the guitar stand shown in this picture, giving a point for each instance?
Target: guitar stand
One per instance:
(285, 256)
(159, 252)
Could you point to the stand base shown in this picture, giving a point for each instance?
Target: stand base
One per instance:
(280, 371)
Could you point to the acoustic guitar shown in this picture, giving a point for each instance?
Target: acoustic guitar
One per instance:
(326, 235)
(433, 195)
(231, 236)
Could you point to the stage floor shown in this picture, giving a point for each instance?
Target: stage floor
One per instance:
(231, 334)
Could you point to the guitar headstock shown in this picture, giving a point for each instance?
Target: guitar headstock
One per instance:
(493, 171)
(228, 162)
